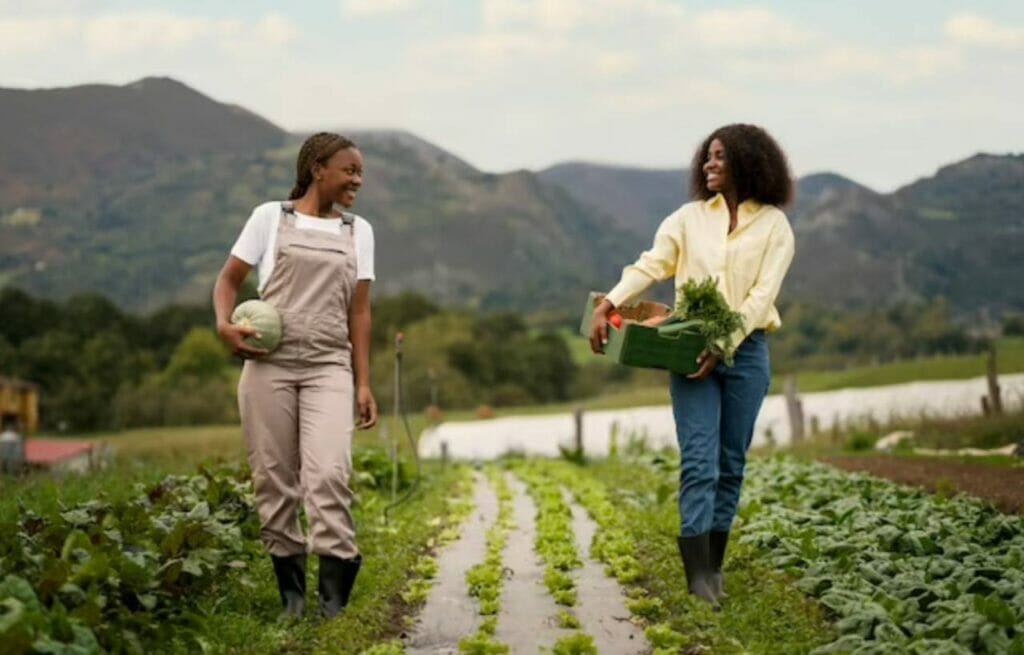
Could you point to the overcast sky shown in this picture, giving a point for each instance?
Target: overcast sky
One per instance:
(883, 91)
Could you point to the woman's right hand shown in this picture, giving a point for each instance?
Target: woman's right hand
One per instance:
(234, 336)
(599, 327)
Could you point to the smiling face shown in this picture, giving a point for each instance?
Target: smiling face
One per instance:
(716, 169)
(340, 177)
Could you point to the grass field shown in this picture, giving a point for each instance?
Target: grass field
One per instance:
(192, 444)
(954, 367)
(949, 367)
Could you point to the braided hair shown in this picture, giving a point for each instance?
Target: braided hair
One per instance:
(317, 149)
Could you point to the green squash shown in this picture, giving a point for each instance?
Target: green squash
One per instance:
(264, 318)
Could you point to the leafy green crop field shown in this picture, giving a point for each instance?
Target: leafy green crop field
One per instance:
(160, 555)
(899, 570)
(634, 504)
(144, 559)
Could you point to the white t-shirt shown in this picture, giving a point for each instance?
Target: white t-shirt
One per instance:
(255, 245)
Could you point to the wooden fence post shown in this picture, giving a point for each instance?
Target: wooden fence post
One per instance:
(577, 415)
(795, 410)
(995, 399)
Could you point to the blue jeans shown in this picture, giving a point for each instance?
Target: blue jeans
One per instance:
(714, 425)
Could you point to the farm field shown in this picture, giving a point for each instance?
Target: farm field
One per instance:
(822, 561)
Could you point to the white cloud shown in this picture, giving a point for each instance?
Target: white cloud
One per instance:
(125, 33)
(901, 65)
(375, 7)
(40, 7)
(26, 35)
(485, 49)
(276, 29)
(613, 65)
(685, 92)
(970, 29)
(569, 15)
(749, 29)
(132, 32)
(506, 14)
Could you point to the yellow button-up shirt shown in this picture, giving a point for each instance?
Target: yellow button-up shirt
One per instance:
(694, 242)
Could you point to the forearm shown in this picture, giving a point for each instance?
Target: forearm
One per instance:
(359, 334)
(224, 296)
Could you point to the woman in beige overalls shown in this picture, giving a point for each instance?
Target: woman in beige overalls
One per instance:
(297, 404)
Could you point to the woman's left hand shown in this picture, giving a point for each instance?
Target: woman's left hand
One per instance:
(707, 362)
(367, 408)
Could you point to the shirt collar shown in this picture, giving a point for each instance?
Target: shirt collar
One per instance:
(748, 206)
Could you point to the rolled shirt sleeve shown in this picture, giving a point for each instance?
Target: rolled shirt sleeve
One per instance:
(655, 265)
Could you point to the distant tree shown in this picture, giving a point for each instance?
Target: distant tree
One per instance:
(22, 316)
(8, 356)
(394, 313)
(200, 355)
(48, 359)
(500, 326)
(550, 367)
(1013, 325)
(163, 330)
(86, 314)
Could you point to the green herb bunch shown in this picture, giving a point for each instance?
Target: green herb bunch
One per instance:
(704, 305)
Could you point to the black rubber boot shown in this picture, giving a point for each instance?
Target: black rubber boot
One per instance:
(291, 583)
(718, 541)
(696, 562)
(337, 576)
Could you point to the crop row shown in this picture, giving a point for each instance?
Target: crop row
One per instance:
(900, 569)
(484, 580)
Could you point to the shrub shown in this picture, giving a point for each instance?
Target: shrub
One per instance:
(861, 441)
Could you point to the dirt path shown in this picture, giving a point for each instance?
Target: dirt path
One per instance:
(601, 606)
(1003, 487)
(528, 619)
(449, 613)
(529, 616)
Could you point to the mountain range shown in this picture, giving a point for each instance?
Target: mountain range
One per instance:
(139, 191)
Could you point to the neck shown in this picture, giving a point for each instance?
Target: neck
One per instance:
(731, 201)
(314, 205)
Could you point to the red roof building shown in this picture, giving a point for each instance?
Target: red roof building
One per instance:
(59, 454)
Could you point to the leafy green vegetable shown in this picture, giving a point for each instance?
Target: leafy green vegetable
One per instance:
(484, 581)
(898, 568)
(575, 644)
(704, 307)
(107, 576)
(555, 540)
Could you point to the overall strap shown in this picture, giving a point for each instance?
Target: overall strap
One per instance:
(288, 213)
(347, 219)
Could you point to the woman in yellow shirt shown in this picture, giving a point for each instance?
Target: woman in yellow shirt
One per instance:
(733, 231)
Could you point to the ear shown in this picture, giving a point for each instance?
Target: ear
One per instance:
(317, 169)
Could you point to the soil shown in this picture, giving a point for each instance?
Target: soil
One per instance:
(528, 618)
(1002, 486)
(449, 613)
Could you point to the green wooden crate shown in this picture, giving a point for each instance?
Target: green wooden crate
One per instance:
(642, 346)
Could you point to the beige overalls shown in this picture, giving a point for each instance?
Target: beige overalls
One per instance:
(297, 404)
